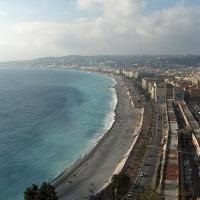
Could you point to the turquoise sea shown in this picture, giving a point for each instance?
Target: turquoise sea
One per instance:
(49, 118)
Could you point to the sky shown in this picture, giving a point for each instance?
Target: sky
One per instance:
(40, 28)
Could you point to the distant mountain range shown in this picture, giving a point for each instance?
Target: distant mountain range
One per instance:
(110, 61)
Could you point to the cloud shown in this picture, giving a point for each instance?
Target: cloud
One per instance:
(121, 28)
(85, 4)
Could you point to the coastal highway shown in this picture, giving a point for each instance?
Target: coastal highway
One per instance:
(92, 172)
(153, 153)
(148, 167)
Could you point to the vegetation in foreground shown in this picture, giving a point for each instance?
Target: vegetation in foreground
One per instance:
(149, 194)
(118, 187)
(45, 192)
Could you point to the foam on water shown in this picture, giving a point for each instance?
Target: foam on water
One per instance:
(48, 119)
(108, 122)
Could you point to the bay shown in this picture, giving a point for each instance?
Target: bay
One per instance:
(49, 118)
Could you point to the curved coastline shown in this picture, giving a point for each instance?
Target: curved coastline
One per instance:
(94, 170)
(96, 140)
(56, 166)
(109, 119)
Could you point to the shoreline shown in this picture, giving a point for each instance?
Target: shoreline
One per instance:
(110, 116)
(96, 167)
(97, 139)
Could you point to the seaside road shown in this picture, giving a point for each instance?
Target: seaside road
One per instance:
(90, 174)
(153, 154)
(150, 161)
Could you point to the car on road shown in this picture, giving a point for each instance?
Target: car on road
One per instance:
(130, 194)
(147, 164)
(187, 169)
(187, 173)
(188, 177)
(141, 174)
(188, 182)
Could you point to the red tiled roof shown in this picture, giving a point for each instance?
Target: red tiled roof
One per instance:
(171, 172)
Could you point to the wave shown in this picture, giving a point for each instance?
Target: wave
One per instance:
(109, 119)
(108, 123)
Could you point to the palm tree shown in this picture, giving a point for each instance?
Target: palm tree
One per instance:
(45, 192)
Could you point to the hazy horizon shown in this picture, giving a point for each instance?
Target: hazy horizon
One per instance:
(45, 28)
(100, 55)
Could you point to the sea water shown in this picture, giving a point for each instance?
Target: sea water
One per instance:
(49, 118)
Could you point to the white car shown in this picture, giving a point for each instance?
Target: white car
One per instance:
(130, 194)
(141, 174)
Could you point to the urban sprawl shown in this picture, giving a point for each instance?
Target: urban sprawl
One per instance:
(170, 86)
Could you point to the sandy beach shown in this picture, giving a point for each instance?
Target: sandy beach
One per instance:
(90, 174)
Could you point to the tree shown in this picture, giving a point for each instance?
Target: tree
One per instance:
(31, 192)
(149, 194)
(45, 192)
(120, 182)
(119, 186)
